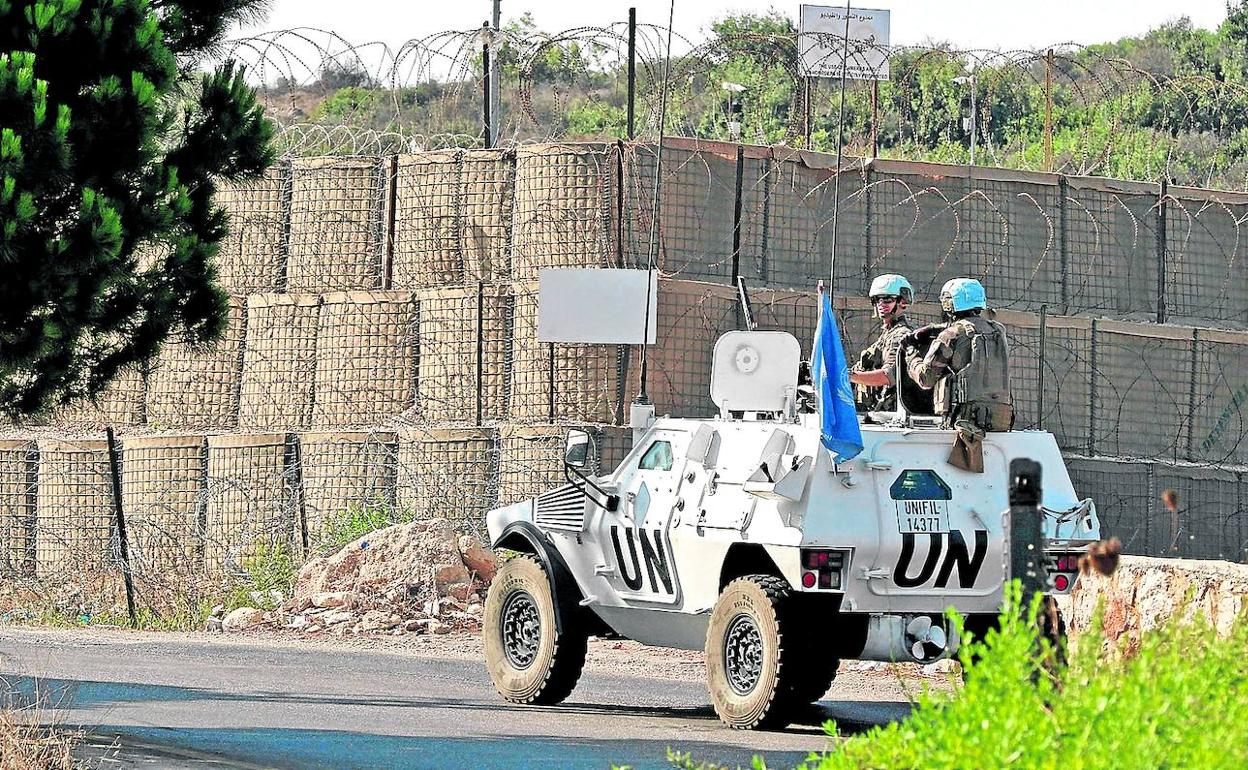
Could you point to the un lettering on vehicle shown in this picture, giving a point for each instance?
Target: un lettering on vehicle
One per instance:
(922, 517)
(643, 562)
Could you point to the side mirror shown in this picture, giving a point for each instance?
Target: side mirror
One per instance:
(576, 451)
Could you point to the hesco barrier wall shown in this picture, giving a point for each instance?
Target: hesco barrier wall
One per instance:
(382, 351)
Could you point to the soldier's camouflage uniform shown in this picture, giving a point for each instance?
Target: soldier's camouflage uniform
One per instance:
(968, 366)
(882, 354)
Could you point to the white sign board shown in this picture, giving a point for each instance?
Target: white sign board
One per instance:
(821, 43)
(596, 306)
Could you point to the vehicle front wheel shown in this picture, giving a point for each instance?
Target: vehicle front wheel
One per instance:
(529, 659)
(749, 664)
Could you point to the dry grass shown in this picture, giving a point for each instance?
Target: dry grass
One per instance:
(25, 745)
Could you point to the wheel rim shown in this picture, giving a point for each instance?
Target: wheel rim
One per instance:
(522, 629)
(743, 654)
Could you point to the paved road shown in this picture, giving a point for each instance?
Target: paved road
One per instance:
(197, 702)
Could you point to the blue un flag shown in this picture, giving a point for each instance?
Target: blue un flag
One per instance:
(838, 420)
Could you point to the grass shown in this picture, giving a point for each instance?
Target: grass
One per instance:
(27, 745)
(1178, 700)
(268, 573)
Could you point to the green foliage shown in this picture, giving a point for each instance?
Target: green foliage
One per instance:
(270, 568)
(111, 144)
(357, 521)
(1180, 700)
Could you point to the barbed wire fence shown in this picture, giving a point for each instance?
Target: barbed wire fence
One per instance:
(1070, 109)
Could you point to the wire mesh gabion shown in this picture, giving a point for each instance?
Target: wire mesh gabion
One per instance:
(163, 481)
(563, 205)
(1219, 432)
(341, 473)
(279, 361)
(194, 387)
(531, 457)
(561, 381)
(120, 404)
(18, 483)
(453, 217)
(464, 336)
(336, 224)
(448, 473)
(365, 358)
(1204, 259)
(74, 509)
(248, 500)
(252, 256)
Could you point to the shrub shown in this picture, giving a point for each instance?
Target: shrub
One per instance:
(356, 522)
(269, 572)
(1179, 700)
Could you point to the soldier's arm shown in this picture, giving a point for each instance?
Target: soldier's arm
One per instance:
(928, 371)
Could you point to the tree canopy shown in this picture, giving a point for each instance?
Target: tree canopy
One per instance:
(111, 141)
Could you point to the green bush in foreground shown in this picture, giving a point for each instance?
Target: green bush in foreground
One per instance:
(1179, 701)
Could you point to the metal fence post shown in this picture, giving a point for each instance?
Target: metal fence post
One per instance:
(114, 466)
(1044, 322)
(1191, 396)
(736, 217)
(1092, 366)
(1161, 251)
(1063, 242)
(387, 269)
(1026, 535)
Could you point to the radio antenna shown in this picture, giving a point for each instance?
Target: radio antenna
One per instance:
(652, 249)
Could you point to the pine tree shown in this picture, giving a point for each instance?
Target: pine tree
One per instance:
(111, 142)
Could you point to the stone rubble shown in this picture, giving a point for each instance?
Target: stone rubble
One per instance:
(417, 578)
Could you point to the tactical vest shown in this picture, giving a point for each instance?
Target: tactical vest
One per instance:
(981, 368)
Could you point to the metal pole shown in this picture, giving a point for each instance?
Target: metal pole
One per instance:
(1044, 320)
(840, 140)
(643, 396)
(1026, 534)
(807, 93)
(1048, 110)
(875, 118)
(1161, 251)
(114, 466)
(486, 114)
(736, 217)
(495, 86)
(632, 72)
(481, 349)
(974, 130)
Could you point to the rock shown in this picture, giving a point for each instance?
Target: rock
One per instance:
(299, 622)
(477, 559)
(217, 610)
(213, 625)
(438, 627)
(378, 620)
(475, 609)
(450, 574)
(242, 619)
(417, 625)
(337, 617)
(460, 591)
(329, 599)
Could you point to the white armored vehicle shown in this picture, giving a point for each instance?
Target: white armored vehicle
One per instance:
(740, 535)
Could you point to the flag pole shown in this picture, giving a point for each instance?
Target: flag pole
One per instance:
(840, 141)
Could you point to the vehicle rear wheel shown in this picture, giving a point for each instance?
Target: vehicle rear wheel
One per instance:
(750, 667)
(529, 660)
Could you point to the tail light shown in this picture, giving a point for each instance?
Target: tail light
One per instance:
(822, 568)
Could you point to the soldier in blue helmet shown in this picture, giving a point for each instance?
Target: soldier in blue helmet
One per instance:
(968, 366)
(874, 376)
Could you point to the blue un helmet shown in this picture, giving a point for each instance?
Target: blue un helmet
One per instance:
(891, 285)
(962, 294)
